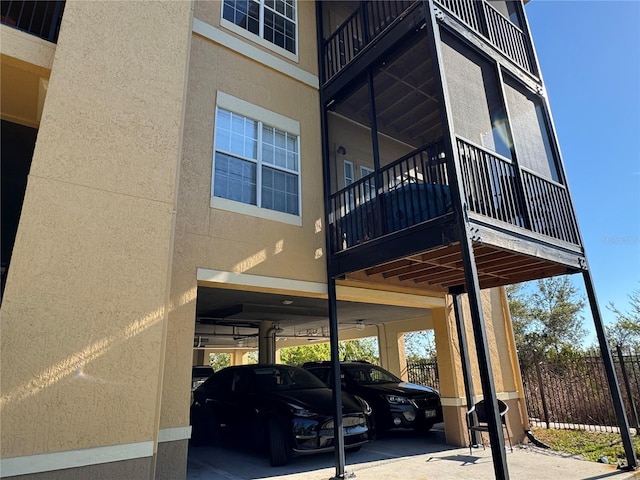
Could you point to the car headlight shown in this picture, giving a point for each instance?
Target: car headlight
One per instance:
(365, 405)
(397, 400)
(299, 411)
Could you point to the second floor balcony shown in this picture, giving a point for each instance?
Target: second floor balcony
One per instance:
(40, 18)
(423, 147)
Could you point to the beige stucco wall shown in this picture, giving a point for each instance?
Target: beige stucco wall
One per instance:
(356, 139)
(228, 241)
(85, 301)
(25, 64)
(505, 369)
(209, 11)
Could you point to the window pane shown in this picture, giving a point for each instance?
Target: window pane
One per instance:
(234, 179)
(282, 194)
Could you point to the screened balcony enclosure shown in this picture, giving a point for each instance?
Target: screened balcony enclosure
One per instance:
(442, 171)
(396, 169)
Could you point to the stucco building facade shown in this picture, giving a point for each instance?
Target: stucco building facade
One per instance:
(172, 161)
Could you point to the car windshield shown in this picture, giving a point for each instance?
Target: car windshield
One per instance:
(369, 374)
(275, 378)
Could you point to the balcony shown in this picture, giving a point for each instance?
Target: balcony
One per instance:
(39, 18)
(525, 225)
(397, 174)
(364, 26)
(500, 28)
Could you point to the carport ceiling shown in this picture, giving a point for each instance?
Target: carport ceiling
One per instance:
(227, 318)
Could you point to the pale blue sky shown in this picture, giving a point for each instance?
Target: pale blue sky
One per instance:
(589, 52)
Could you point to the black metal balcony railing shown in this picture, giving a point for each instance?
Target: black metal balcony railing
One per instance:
(415, 189)
(358, 30)
(409, 191)
(495, 27)
(492, 189)
(372, 18)
(40, 18)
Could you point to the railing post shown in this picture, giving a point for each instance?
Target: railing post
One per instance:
(543, 398)
(53, 28)
(365, 22)
(482, 20)
(627, 385)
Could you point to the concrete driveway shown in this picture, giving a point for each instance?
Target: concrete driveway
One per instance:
(404, 456)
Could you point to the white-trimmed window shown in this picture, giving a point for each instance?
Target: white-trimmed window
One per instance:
(255, 163)
(273, 20)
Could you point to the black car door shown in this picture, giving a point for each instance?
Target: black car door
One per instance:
(245, 404)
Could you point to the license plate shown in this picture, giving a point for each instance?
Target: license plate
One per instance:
(429, 413)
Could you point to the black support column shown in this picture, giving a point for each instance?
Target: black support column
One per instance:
(614, 387)
(464, 357)
(472, 283)
(331, 281)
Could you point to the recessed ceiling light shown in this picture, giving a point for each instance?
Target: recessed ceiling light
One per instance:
(287, 302)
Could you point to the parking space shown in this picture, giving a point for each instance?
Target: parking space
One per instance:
(234, 463)
(401, 455)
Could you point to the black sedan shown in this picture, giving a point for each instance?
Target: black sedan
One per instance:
(395, 403)
(286, 409)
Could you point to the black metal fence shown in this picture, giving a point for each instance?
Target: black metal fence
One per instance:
(424, 372)
(574, 393)
(568, 392)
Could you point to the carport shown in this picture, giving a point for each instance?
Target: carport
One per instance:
(236, 314)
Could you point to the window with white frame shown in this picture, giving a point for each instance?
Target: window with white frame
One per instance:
(256, 163)
(272, 20)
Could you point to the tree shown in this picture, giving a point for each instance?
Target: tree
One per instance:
(546, 317)
(420, 345)
(625, 330)
(219, 361)
(363, 349)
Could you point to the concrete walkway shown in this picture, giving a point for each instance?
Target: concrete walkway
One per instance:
(404, 456)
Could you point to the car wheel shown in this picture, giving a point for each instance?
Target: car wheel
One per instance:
(424, 428)
(210, 427)
(353, 449)
(198, 436)
(278, 445)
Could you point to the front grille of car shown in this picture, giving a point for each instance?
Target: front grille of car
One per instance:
(425, 403)
(351, 425)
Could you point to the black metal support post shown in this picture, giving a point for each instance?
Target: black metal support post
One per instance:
(496, 436)
(627, 387)
(331, 281)
(337, 386)
(605, 352)
(464, 358)
(543, 398)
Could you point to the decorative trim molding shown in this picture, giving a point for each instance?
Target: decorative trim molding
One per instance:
(256, 54)
(174, 434)
(260, 281)
(47, 462)
(462, 402)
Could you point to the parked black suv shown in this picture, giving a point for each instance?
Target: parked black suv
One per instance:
(395, 403)
(285, 409)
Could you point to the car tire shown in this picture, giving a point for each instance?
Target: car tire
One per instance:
(353, 449)
(211, 427)
(198, 436)
(278, 445)
(424, 428)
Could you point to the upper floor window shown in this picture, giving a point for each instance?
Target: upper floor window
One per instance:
(256, 163)
(272, 20)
